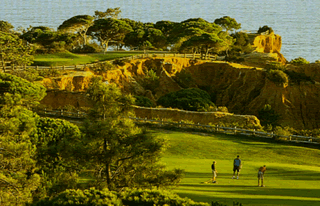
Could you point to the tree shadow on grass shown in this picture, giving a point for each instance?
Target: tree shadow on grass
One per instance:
(294, 174)
(242, 139)
(210, 197)
(255, 190)
(209, 175)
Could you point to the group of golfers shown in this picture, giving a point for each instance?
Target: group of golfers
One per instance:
(236, 168)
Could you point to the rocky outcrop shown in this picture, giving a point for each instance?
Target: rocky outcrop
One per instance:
(73, 81)
(265, 44)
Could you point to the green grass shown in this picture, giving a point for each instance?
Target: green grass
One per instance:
(292, 176)
(69, 59)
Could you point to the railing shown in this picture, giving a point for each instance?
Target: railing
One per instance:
(79, 116)
(82, 66)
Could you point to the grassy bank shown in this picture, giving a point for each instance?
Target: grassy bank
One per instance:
(292, 176)
(69, 59)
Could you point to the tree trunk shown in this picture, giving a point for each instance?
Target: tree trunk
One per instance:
(105, 43)
(108, 174)
(108, 169)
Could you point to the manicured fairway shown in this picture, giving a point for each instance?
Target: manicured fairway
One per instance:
(68, 58)
(292, 176)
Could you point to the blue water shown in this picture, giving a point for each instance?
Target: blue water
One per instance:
(297, 21)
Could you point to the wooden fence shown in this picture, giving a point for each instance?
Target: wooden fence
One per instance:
(79, 116)
(82, 66)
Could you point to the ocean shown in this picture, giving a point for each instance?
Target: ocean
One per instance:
(297, 21)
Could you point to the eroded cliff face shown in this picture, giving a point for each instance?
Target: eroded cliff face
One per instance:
(246, 91)
(242, 89)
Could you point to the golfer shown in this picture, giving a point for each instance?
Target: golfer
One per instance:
(261, 175)
(236, 166)
(214, 172)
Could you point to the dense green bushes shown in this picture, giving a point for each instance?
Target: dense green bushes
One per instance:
(143, 101)
(129, 197)
(155, 197)
(192, 99)
(265, 28)
(278, 73)
(299, 61)
(268, 116)
(151, 81)
(297, 78)
(278, 76)
(88, 197)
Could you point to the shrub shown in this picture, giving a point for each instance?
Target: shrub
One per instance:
(151, 81)
(192, 99)
(278, 76)
(102, 67)
(138, 197)
(283, 131)
(143, 101)
(89, 48)
(296, 77)
(265, 28)
(268, 116)
(299, 61)
(223, 109)
(29, 74)
(242, 44)
(121, 62)
(50, 73)
(87, 197)
(184, 79)
(275, 66)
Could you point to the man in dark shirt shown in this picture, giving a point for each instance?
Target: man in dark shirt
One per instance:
(214, 172)
(236, 167)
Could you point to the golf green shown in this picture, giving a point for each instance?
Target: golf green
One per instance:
(292, 176)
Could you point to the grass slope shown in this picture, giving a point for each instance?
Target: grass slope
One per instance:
(69, 59)
(292, 176)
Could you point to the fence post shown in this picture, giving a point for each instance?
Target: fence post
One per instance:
(37, 68)
(253, 133)
(75, 67)
(235, 130)
(290, 137)
(45, 111)
(78, 114)
(12, 66)
(174, 54)
(132, 57)
(61, 112)
(185, 55)
(51, 67)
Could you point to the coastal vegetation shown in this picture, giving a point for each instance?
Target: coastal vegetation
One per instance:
(108, 159)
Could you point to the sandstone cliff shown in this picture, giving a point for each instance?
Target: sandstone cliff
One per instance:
(245, 91)
(242, 89)
(267, 48)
